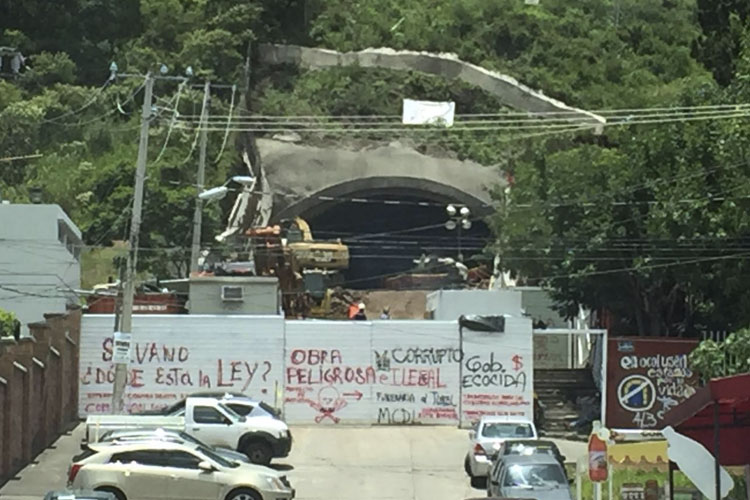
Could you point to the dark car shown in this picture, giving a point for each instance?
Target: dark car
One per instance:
(79, 495)
(530, 447)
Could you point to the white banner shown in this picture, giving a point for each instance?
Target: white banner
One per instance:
(428, 113)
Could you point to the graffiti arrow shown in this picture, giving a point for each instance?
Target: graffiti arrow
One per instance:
(356, 395)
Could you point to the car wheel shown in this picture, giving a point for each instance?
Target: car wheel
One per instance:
(119, 495)
(244, 494)
(479, 482)
(258, 452)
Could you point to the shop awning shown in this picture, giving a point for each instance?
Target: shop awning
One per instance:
(643, 453)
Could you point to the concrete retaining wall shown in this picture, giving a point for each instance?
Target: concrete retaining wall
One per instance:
(38, 389)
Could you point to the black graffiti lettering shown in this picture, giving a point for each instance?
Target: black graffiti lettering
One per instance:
(476, 364)
(395, 398)
(442, 399)
(396, 416)
(514, 380)
(426, 355)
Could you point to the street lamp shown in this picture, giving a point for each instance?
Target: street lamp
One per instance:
(220, 192)
(215, 193)
(458, 218)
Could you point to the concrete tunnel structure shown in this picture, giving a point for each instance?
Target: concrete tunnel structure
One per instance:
(301, 177)
(320, 183)
(304, 178)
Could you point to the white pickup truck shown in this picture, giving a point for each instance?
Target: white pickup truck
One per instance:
(211, 421)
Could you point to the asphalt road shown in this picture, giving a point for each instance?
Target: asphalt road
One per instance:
(327, 462)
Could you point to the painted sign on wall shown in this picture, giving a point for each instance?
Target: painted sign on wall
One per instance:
(327, 372)
(646, 378)
(497, 372)
(175, 355)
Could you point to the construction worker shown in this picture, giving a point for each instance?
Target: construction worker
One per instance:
(360, 312)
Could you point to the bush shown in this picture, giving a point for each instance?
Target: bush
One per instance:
(9, 325)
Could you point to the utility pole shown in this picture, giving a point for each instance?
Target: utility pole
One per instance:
(126, 321)
(198, 215)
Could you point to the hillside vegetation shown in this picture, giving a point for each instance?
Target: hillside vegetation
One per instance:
(647, 220)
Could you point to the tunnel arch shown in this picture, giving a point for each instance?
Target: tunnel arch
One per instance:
(300, 175)
(372, 188)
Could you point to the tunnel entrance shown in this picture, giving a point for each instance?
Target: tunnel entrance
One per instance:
(387, 233)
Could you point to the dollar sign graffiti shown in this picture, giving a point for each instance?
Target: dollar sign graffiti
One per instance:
(517, 362)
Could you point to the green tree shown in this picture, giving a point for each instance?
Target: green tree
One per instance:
(649, 228)
(713, 359)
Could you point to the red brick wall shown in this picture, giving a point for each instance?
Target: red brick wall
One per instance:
(39, 390)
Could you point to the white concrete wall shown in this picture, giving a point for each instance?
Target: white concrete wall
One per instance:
(320, 372)
(449, 305)
(175, 355)
(37, 272)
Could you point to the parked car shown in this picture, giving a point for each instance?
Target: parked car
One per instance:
(79, 495)
(540, 477)
(241, 404)
(485, 440)
(121, 437)
(527, 447)
(213, 422)
(167, 470)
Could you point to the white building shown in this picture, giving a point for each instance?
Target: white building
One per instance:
(40, 267)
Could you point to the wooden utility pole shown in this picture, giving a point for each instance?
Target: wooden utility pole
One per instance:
(126, 321)
(198, 215)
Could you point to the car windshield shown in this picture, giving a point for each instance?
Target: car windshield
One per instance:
(506, 430)
(271, 410)
(532, 475)
(232, 414)
(529, 449)
(216, 458)
(190, 439)
(175, 408)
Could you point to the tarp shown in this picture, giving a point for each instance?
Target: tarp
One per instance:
(695, 418)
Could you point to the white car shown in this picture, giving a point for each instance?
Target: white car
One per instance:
(127, 437)
(168, 470)
(211, 421)
(486, 439)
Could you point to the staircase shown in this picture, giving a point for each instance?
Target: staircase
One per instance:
(557, 390)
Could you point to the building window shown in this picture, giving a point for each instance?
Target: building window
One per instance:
(232, 293)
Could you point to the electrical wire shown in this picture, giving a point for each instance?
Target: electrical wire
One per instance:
(86, 105)
(467, 123)
(520, 114)
(172, 122)
(106, 114)
(229, 123)
(349, 128)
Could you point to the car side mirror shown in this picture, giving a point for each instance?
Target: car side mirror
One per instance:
(571, 480)
(472, 434)
(563, 458)
(206, 467)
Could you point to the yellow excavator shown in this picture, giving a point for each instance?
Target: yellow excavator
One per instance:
(306, 268)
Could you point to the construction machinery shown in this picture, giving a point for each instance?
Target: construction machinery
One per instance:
(306, 268)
